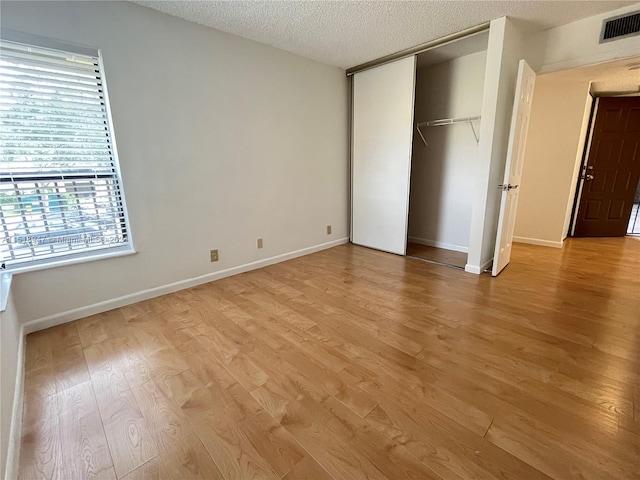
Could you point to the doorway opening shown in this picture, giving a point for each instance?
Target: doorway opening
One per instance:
(558, 144)
(607, 195)
(444, 159)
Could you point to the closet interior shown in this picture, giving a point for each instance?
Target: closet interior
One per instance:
(444, 160)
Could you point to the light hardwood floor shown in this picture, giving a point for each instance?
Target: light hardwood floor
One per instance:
(353, 364)
(438, 255)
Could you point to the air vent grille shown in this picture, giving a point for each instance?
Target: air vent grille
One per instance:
(626, 25)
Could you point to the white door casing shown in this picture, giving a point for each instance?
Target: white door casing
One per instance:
(382, 129)
(522, 102)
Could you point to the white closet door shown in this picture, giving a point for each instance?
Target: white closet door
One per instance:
(382, 135)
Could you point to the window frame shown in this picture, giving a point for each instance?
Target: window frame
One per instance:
(94, 254)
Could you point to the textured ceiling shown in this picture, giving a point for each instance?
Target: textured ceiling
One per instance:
(619, 76)
(348, 33)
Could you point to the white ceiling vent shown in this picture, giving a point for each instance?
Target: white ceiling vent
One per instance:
(619, 27)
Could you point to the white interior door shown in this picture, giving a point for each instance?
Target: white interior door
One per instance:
(382, 138)
(513, 169)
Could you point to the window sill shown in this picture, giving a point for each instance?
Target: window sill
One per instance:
(115, 252)
(5, 286)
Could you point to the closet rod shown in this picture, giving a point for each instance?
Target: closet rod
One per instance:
(448, 121)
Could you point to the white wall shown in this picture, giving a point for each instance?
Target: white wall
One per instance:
(577, 43)
(10, 338)
(443, 173)
(554, 145)
(221, 140)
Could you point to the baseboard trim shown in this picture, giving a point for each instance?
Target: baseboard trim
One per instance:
(434, 243)
(15, 432)
(537, 241)
(478, 269)
(75, 314)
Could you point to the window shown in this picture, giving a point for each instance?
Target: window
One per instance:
(61, 195)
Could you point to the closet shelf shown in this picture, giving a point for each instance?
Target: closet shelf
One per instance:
(448, 121)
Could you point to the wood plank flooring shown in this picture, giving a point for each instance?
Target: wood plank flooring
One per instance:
(353, 364)
(439, 255)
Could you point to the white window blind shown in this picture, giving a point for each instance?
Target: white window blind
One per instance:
(60, 189)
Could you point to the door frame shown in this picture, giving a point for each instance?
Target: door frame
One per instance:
(585, 157)
(586, 149)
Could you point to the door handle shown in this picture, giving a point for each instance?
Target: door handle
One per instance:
(586, 176)
(506, 188)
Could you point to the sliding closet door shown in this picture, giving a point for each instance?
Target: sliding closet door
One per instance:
(382, 136)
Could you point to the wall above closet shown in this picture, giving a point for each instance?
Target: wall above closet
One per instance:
(465, 46)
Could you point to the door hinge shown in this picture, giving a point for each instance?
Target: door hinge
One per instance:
(506, 188)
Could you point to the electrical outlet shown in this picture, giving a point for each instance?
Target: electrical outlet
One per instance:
(214, 255)
(328, 229)
(259, 243)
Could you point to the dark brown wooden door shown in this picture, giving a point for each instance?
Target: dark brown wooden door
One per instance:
(612, 170)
